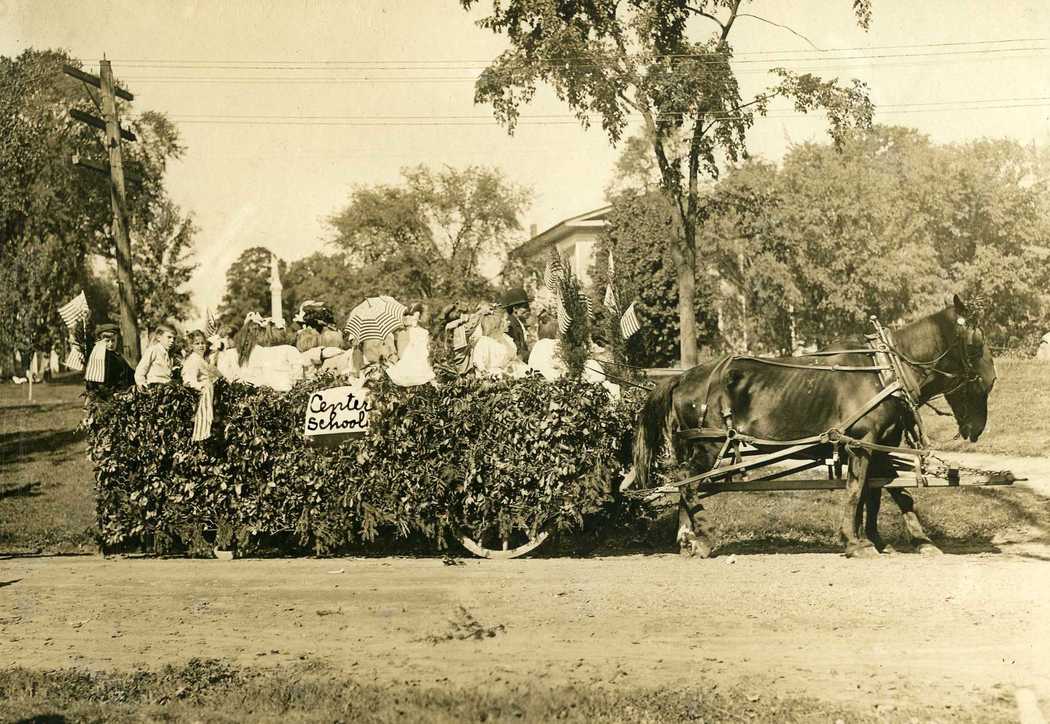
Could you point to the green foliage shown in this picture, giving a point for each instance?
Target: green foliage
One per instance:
(519, 454)
(248, 286)
(425, 237)
(639, 225)
(888, 224)
(54, 216)
(575, 342)
(612, 61)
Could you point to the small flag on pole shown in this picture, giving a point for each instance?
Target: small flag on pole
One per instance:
(629, 323)
(564, 320)
(610, 298)
(75, 358)
(553, 273)
(75, 311)
(73, 314)
(211, 325)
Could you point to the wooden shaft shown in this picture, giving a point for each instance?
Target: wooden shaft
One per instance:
(129, 326)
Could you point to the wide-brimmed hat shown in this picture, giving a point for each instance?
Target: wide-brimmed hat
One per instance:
(515, 297)
(106, 328)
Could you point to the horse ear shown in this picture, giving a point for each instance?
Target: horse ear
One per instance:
(960, 308)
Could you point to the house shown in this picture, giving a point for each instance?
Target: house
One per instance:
(575, 240)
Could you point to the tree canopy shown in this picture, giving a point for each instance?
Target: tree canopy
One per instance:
(669, 63)
(429, 234)
(55, 217)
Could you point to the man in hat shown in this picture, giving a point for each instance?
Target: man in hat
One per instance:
(516, 302)
(107, 371)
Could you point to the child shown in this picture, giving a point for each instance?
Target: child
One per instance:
(200, 375)
(155, 365)
(413, 365)
(196, 371)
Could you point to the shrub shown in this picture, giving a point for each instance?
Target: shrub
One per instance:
(522, 454)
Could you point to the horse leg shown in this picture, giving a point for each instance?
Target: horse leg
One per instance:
(692, 538)
(872, 503)
(857, 546)
(916, 533)
(880, 467)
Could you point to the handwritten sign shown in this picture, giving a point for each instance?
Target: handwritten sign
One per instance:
(337, 411)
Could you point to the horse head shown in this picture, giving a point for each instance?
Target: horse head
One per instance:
(972, 372)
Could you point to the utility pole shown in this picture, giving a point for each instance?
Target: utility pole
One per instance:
(129, 326)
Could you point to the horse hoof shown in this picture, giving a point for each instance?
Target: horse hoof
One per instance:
(929, 549)
(868, 551)
(889, 550)
(694, 547)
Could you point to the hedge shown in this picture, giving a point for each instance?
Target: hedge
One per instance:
(478, 456)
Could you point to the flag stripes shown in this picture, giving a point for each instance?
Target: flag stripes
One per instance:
(629, 323)
(75, 311)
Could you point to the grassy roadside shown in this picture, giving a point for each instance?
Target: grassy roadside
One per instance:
(215, 691)
(1018, 414)
(46, 482)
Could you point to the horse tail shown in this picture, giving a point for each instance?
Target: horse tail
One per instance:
(656, 424)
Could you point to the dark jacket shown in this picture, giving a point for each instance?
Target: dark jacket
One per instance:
(516, 330)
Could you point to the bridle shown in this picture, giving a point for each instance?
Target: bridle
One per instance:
(969, 343)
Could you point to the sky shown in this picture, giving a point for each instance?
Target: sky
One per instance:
(284, 107)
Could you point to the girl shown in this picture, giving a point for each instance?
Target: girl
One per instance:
(413, 365)
(494, 353)
(200, 375)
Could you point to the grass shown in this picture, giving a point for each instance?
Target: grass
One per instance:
(46, 481)
(215, 691)
(47, 503)
(1018, 414)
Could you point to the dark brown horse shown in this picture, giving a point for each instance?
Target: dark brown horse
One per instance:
(941, 354)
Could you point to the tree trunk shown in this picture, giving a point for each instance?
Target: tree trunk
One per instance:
(685, 262)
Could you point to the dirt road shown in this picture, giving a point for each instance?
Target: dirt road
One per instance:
(948, 630)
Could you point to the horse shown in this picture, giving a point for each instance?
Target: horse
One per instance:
(791, 398)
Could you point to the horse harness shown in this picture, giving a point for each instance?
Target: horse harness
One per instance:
(888, 362)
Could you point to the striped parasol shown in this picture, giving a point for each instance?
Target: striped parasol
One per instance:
(374, 318)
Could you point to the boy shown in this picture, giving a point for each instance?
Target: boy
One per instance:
(155, 365)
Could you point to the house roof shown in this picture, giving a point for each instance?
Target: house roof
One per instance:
(592, 219)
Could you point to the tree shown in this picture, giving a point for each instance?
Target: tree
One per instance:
(636, 236)
(161, 252)
(432, 231)
(609, 60)
(55, 217)
(248, 286)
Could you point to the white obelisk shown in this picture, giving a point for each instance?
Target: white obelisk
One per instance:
(276, 313)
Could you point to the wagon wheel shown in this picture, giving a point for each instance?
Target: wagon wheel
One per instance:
(517, 545)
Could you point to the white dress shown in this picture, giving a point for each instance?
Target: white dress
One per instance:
(279, 367)
(196, 372)
(494, 357)
(413, 366)
(544, 359)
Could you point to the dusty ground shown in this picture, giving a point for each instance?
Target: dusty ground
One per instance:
(895, 631)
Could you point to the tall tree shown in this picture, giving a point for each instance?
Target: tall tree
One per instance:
(432, 231)
(248, 286)
(162, 256)
(54, 216)
(611, 60)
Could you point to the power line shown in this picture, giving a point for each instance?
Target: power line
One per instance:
(220, 63)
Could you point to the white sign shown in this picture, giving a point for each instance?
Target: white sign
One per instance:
(337, 411)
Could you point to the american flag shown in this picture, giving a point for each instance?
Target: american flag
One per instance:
(564, 320)
(75, 311)
(211, 324)
(610, 298)
(629, 323)
(553, 273)
(74, 314)
(205, 415)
